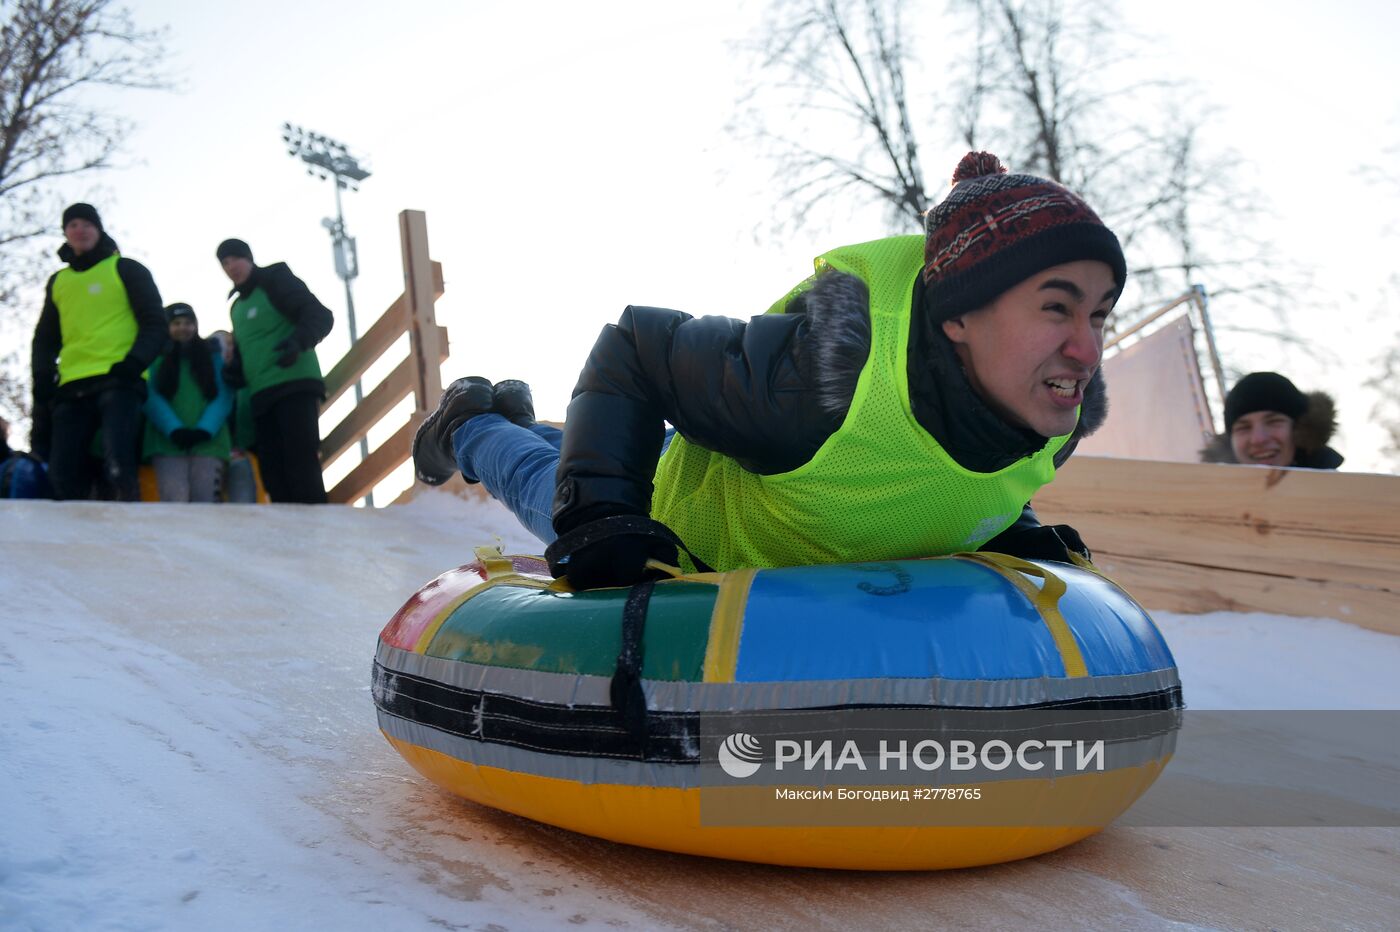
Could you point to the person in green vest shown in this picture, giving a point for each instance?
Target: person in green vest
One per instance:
(102, 324)
(905, 401)
(277, 323)
(187, 412)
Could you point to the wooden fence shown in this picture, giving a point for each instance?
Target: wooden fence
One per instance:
(419, 373)
(1197, 538)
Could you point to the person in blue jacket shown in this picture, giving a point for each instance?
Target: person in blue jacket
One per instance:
(22, 475)
(187, 409)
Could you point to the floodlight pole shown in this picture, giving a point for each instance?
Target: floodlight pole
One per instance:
(338, 238)
(332, 161)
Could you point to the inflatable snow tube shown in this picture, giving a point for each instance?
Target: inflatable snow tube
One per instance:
(638, 715)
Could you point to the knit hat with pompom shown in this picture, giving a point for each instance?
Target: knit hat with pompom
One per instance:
(995, 229)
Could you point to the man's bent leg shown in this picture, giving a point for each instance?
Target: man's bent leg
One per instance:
(74, 423)
(516, 466)
(172, 477)
(297, 416)
(206, 479)
(120, 410)
(552, 435)
(271, 459)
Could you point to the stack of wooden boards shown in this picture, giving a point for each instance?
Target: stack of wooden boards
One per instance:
(1198, 538)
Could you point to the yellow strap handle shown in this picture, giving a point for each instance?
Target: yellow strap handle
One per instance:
(1045, 598)
(493, 562)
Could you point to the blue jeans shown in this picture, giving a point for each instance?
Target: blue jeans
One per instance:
(516, 465)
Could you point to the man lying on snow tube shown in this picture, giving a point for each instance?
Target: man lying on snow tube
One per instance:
(907, 400)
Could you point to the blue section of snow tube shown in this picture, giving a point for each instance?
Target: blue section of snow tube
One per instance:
(1114, 634)
(873, 620)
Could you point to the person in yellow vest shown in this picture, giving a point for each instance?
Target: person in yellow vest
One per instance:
(277, 323)
(905, 401)
(102, 324)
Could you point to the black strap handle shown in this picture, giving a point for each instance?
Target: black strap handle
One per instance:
(625, 691)
(612, 526)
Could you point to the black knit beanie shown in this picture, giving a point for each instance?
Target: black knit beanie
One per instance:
(1263, 391)
(994, 230)
(82, 211)
(233, 247)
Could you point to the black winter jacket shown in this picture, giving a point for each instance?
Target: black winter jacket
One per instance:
(768, 393)
(310, 319)
(146, 307)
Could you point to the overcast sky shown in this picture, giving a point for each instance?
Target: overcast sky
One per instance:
(572, 159)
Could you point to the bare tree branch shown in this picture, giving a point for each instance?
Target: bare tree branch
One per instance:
(1054, 87)
(846, 59)
(52, 52)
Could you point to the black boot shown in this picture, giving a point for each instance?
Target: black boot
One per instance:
(513, 402)
(434, 460)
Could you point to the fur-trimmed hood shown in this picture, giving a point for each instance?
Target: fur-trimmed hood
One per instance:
(944, 402)
(1312, 431)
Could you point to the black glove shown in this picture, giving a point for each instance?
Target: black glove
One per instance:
(287, 352)
(126, 368)
(601, 559)
(188, 437)
(1048, 542)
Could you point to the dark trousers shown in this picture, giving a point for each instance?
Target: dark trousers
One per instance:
(289, 441)
(117, 411)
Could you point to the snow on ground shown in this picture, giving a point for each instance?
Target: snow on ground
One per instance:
(1255, 661)
(189, 742)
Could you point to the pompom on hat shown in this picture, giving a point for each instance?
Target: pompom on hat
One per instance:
(995, 229)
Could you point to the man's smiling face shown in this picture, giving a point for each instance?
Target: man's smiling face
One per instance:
(1263, 438)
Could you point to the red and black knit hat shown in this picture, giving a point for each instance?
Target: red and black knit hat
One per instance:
(994, 230)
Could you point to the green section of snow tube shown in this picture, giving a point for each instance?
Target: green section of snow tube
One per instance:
(579, 632)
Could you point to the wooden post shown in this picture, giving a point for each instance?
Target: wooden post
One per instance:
(412, 313)
(423, 335)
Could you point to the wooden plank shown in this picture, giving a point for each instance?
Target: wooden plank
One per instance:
(374, 406)
(1340, 527)
(1180, 587)
(420, 293)
(373, 343)
(387, 457)
(1196, 537)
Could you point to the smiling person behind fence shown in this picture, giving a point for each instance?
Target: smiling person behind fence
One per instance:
(277, 323)
(907, 400)
(1269, 422)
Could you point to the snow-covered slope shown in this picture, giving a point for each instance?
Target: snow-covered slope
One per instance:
(188, 741)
